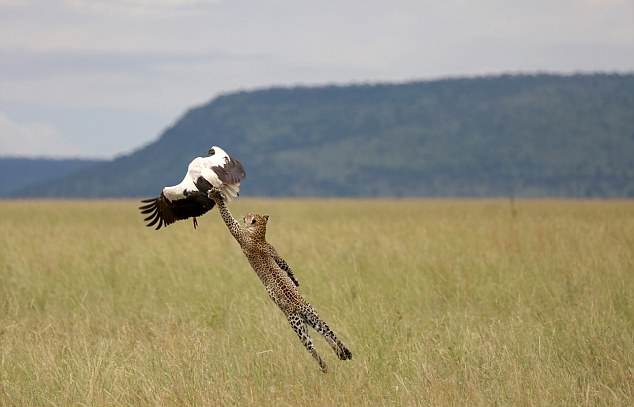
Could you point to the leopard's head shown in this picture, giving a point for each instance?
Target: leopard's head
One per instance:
(255, 224)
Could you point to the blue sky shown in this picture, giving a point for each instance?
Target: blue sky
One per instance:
(99, 78)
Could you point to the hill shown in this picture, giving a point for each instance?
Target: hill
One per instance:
(16, 173)
(526, 135)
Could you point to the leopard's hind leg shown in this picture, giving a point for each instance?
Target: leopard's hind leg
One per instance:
(299, 326)
(320, 326)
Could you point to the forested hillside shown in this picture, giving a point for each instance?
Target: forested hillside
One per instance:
(537, 135)
(19, 173)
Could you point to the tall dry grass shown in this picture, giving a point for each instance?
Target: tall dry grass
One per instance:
(442, 302)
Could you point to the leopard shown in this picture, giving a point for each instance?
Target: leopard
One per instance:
(279, 279)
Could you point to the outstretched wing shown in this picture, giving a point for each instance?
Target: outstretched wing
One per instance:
(231, 172)
(162, 212)
(284, 266)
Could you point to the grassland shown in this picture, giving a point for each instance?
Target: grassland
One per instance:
(442, 303)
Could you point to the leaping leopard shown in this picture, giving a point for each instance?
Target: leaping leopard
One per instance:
(278, 279)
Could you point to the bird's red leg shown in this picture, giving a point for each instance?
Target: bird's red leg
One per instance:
(195, 222)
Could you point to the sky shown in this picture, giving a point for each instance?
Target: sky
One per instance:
(100, 78)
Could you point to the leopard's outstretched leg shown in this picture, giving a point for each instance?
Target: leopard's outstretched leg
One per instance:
(320, 326)
(299, 326)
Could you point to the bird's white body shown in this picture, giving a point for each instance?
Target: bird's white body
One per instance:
(189, 199)
(202, 167)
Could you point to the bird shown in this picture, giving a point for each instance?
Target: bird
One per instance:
(189, 198)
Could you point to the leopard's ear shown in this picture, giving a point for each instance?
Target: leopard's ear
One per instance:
(266, 218)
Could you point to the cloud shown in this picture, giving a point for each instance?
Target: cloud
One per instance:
(165, 83)
(152, 59)
(138, 8)
(32, 139)
(13, 3)
(33, 65)
(607, 2)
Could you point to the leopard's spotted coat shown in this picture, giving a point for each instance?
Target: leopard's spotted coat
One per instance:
(278, 279)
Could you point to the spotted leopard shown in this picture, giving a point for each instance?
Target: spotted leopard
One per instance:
(278, 279)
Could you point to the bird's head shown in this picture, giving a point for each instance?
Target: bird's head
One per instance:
(256, 225)
(215, 150)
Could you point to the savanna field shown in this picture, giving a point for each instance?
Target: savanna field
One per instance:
(442, 302)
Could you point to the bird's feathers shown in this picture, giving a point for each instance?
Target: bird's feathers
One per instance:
(162, 212)
(231, 172)
(189, 197)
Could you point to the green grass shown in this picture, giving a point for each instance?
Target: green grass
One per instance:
(442, 302)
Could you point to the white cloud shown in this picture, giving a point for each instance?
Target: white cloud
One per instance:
(32, 139)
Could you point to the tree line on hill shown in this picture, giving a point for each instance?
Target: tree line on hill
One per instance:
(509, 135)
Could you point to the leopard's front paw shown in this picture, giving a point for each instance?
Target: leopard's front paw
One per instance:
(215, 194)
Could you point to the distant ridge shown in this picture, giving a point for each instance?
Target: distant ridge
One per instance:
(18, 173)
(522, 135)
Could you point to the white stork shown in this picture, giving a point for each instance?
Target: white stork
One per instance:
(189, 198)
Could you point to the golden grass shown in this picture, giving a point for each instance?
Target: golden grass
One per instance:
(442, 302)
